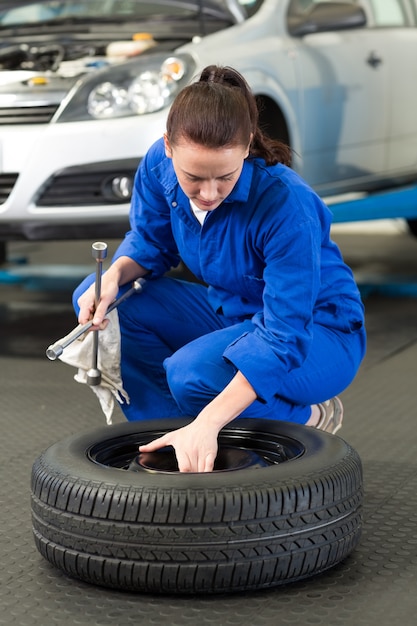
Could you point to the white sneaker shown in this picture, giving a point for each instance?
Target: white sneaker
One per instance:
(331, 415)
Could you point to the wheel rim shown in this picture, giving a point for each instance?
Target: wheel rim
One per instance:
(238, 449)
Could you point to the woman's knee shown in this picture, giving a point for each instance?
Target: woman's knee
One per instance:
(182, 378)
(194, 378)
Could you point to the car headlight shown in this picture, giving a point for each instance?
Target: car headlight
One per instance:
(150, 91)
(132, 88)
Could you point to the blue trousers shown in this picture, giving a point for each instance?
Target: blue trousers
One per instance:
(171, 356)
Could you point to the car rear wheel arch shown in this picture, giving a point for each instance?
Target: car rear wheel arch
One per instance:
(272, 120)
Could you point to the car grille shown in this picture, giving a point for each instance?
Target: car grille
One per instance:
(27, 115)
(7, 182)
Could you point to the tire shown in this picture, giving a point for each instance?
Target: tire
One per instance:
(282, 504)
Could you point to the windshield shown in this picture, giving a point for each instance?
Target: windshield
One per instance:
(26, 13)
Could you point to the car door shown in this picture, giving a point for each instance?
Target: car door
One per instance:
(395, 22)
(345, 107)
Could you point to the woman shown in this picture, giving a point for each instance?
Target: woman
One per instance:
(278, 330)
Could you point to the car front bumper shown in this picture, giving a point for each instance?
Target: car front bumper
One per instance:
(69, 176)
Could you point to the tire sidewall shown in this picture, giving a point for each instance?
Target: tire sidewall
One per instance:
(70, 457)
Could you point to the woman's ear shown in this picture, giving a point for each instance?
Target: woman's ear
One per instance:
(168, 151)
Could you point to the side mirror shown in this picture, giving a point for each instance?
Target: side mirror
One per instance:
(326, 16)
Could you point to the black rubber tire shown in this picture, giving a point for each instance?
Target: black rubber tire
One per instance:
(168, 532)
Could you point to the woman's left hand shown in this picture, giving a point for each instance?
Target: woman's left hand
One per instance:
(195, 446)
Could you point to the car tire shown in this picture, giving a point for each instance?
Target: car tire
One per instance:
(283, 503)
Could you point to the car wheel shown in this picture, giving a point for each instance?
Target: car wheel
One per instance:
(283, 503)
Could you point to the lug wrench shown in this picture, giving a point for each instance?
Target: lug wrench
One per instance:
(55, 350)
(99, 252)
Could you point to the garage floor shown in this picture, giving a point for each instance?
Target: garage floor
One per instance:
(40, 404)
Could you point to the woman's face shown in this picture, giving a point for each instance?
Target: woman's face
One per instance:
(206, 175)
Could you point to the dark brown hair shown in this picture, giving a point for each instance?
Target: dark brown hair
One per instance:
(220, 110)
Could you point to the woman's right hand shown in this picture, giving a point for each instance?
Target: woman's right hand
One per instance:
(86, 302)
(122, 271)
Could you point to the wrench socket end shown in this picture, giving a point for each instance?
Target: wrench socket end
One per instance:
(99, 250)
(93, 377)
(54, 351)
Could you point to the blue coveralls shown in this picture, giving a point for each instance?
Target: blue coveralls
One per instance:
(281, 305)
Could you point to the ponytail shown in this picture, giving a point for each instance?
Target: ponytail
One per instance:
(220, 110)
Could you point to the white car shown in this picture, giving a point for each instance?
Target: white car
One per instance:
(85, 87)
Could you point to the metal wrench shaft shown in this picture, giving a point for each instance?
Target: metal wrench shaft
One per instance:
(55, 350)
(99, 251)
